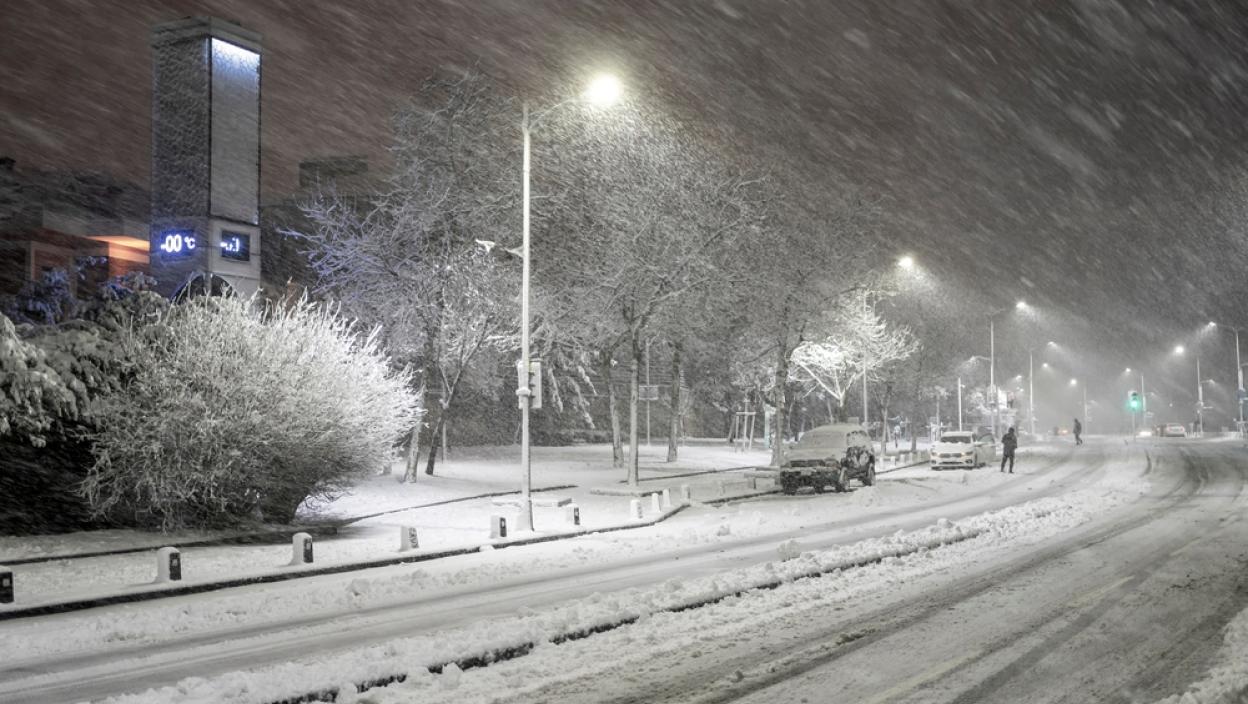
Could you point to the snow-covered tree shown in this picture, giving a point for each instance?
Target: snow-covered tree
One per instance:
(858, 341)
(234, 408)
(412, 257)
(811, 258)
(646, 218)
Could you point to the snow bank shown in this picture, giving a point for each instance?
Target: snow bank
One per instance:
(1226, 683)
(658, 616)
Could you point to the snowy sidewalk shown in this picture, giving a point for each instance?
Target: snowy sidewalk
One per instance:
(448, 512)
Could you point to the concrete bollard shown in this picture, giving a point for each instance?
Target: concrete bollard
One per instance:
(723, 488)
(686, 496)
(300, 549)
(407, 538)
(6, 585)
(667, 499)
(634, 509)
(655, 506)
(572, 513)
(498, 527)
(168, 565)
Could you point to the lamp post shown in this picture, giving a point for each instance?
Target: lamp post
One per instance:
(1031, 384)
(1239, 375)
(1200, 401)
(992, 360)
(604, 90)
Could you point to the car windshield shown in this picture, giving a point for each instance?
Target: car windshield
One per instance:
(956, 438)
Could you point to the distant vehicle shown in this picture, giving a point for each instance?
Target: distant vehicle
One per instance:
(1174, 430)
(963, 448)
(1145, 433)
(830, 455)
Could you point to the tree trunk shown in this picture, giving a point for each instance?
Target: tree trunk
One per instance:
(433, 438)
(673, 432)
(634, 380)
(617, 443)
(413, 456)
(782, 378)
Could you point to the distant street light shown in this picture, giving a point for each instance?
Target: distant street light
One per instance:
(992, 359)
(906, 262)
(1239, 376)
(1200, 393)
(603, 91)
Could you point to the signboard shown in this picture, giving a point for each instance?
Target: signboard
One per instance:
(236, 246)
(647, 392)
(177, 244)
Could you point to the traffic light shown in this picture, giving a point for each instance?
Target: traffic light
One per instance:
(1133, 401)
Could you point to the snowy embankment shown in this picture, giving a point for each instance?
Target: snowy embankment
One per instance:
(665, 617)
(1227, 682)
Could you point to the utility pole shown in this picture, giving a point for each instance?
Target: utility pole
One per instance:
(1200, 401)
(1031, 390)
(648, 393)
(992, 372)
(959, 403)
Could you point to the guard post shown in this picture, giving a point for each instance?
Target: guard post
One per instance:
(168, 565)
(6, 585)
(407, 538)
(301, 549)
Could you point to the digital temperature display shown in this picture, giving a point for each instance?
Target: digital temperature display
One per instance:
(177, 244)
(236, 246)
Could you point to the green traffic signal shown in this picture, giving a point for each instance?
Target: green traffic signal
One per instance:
(1133, 401)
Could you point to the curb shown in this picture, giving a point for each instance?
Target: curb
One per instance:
(82, 604)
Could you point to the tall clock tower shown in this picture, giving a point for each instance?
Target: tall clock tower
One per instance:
(205, 234)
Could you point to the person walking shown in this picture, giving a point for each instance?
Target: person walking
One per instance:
(1009, 443)
(1078, 432)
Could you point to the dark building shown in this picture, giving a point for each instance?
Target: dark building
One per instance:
(91, 225)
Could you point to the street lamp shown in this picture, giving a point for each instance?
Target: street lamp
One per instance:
(604, 90)
(906, 262)
(1239, 375)
(1200, 394)
(992, 358)
(1031, 383)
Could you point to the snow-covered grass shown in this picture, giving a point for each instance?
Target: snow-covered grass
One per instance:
(736, 607)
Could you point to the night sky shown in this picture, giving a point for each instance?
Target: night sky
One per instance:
(1087, 156)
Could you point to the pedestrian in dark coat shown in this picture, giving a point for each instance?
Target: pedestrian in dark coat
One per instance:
(1078, 432)
(1009, 443)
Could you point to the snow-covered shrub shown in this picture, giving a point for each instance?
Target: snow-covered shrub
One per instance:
(235, 408)
(48, 376)
(32, 395)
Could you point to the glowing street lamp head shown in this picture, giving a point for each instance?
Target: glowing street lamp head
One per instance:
(906, 262)
(604, 90)
(1127, 370)
(1021, 305)
(1044, 365)
(1212, 324)
(1074, 382)
(1179, 349)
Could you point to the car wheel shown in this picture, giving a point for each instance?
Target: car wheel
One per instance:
(869, 478)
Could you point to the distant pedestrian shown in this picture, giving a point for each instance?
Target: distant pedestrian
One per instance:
(1009, 443)
(1078, 432)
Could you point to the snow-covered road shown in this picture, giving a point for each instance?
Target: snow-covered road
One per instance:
(992, 616)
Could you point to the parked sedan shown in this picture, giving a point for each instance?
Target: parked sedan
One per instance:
(961, 448)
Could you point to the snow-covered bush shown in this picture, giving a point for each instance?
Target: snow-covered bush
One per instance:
(235, 408)
(32, 395)
(48, 376)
